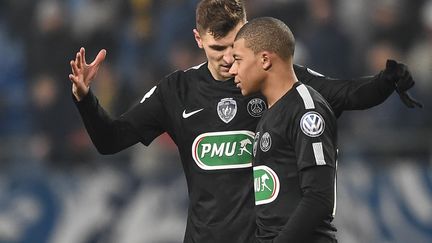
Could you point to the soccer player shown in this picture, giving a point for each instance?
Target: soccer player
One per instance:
(211, 122)
(295, 145)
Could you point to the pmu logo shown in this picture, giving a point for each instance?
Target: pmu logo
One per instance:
(266, 185)
(223, 150)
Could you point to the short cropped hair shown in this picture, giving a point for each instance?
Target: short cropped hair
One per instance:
(268, 34)
(219, 17)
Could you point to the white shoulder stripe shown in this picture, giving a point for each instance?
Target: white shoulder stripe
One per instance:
(195, 67)
(319, 153)
(307, 98)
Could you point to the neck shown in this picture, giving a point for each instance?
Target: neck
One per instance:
(216, 75)
(278, 83)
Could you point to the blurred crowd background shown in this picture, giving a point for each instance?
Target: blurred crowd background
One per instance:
(55, 187)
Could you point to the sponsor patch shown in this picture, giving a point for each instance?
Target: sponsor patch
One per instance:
(227, 109)
(266, 184)
(312, 124)
(256, 107)
(223, 150)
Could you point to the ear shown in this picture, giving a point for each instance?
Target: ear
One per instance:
(198, 38)
(266, 61)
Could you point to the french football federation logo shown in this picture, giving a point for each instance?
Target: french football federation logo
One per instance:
(227, 109)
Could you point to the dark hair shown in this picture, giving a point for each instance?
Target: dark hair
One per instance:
(268, 34)
(219, 17)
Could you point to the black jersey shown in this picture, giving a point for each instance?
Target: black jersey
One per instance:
(294, 168)
(213, 126)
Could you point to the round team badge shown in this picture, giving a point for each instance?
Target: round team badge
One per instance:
(265, 142)
(256, 107)
(312, 124)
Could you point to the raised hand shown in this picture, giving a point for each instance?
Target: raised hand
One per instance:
(399, 74)
(83, 73)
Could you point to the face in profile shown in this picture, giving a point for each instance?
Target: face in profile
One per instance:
(247, 68)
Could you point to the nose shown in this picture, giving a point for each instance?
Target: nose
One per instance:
(228, 56)
(233, 69)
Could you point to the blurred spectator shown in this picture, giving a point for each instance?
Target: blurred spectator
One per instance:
(13, 93)
(328, 48)
(50, 41)
(95, 23)
(55, 139)
(420, 58)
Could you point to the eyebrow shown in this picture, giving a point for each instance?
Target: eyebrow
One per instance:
(217, 47)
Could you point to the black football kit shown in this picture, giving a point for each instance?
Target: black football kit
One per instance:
(213, 126)
(295, 149)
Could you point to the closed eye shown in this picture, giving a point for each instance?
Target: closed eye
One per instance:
(218, 47)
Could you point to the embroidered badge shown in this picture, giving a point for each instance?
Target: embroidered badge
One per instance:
(256, 107)
(227, 109)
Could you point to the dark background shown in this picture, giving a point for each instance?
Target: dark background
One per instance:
(55, 187)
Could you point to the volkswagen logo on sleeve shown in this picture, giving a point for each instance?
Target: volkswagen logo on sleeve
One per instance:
(312, 124)
(256, 107)
(227, 109)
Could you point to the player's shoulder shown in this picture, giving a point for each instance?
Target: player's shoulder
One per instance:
(305, 74)
(310, 99)
(183, 77)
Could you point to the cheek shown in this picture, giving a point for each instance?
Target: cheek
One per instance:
(214, 55)
(253, 77)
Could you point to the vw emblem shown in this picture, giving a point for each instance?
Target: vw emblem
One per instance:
(312, 124)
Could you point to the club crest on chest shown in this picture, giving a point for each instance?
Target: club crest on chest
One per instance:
(256, 107)
(227, 109)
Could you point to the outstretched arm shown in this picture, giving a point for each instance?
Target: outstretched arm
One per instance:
(108, 135)
(361, 93)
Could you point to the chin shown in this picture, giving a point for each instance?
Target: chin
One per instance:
(244, 92)
(226, 75)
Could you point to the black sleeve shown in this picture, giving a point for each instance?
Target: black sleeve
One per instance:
(108, 135)
(315, 142)
(317, 185)
(347, 94)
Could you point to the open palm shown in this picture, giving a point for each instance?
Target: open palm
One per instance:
(83, 73)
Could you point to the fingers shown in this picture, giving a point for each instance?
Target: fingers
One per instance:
(74, 67)
(391, 64)
(82, 52)
(409, 101)
(72, 78)
(78, 60)
(99, 58)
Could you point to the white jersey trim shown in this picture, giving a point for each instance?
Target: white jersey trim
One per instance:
(318, 153)
(195, 67)
(306, 96)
